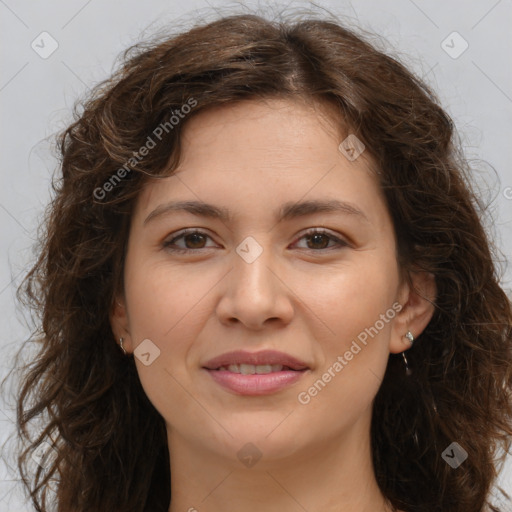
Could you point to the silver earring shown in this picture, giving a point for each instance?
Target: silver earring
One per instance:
(121, 345)
(408, 371)
(410, 337)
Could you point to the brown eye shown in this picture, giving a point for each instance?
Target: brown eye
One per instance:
(318, 240)
(196, 240)
(193, 240)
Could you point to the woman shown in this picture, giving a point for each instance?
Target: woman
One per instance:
(273, 223)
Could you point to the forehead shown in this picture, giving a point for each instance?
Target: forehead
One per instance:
(265, 150)
(288, 128)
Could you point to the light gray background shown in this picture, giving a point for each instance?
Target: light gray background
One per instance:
(37, 94)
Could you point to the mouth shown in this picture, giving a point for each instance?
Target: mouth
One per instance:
(252, 369)
(259, 373)
(265, 361)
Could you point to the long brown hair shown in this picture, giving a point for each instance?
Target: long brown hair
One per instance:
(110, 443)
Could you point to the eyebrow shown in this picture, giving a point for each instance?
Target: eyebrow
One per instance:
(288, 211)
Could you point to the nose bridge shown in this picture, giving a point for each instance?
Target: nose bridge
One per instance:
(252, 276)
(253, 292)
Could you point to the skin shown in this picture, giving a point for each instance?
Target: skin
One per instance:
(309, 299)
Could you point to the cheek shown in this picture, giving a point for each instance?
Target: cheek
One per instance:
(354, 308)
(165, 307)
(350, 299)
(163, 301)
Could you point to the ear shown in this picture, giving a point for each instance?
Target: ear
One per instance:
(119, 322)
(417, 296)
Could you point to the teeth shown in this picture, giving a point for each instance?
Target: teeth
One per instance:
(247, 369)
(264, 368)
(251, 369)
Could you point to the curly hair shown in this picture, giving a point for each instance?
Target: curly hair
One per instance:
(94, 411)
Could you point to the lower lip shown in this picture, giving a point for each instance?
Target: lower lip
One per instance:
(257, 384)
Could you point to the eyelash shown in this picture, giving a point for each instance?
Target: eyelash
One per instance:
(313, 231)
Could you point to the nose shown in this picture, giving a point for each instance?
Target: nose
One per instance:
(256, 293)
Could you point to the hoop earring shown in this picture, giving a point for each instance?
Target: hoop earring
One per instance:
(410, 337)
(121, 345)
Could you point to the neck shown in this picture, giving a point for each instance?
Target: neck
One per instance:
(328, 476)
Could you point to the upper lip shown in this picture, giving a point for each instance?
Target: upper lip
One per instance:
(264, 357)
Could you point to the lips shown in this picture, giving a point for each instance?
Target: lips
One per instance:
(264, 358)
(256, 373)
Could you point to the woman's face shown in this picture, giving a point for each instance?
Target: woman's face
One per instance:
(263, 332)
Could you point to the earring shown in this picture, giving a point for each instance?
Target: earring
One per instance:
(121, 345)
(408, 371)
(410, 337)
